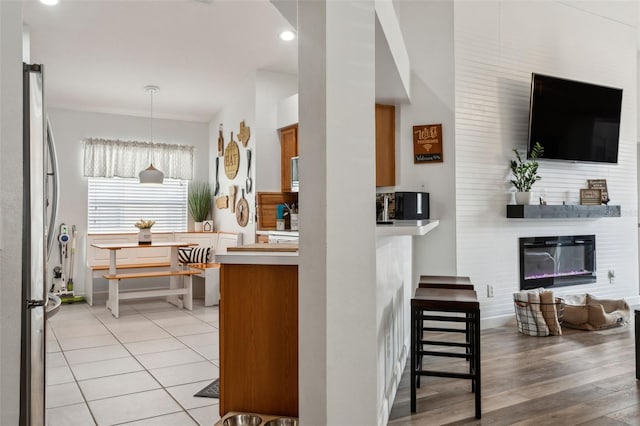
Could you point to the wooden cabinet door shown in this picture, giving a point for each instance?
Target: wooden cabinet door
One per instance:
(259, 339)
(288, 149)
(385, 145)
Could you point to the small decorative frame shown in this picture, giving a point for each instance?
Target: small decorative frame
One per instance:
(600, 184)
(590, 197)
(427, 143)
(207, 226)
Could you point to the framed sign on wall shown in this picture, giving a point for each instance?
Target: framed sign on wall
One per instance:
(427, 143)
(600, 184)
(590, 197)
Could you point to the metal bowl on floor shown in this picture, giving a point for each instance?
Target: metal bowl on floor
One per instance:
(242, 420)
(283, 421)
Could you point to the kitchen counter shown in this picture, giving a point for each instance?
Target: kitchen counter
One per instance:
(259, 329)
(259, 254)
(406, 227)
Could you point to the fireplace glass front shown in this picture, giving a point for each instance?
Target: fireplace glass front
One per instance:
(557, 261)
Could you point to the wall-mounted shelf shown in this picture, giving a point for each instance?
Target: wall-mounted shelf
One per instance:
(531, 211)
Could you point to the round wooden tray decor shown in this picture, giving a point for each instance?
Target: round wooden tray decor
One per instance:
(242, 211)
(231, 159)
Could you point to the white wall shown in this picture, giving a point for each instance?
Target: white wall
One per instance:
(427, 28)
(10, 208)
(70, 127)
(256, 104)
(271, 88)
(497, 47)
(338, 356)
(241, 108)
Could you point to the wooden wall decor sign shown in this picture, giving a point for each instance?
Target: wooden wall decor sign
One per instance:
(590, 197)
(232, 198)
(231, 159)
(244, 134)
(427, 143)
(222, 202)
(220, 141)
(600, 184)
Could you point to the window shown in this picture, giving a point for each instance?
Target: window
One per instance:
(115, 204)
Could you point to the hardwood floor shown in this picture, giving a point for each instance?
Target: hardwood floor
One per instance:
(582, 377)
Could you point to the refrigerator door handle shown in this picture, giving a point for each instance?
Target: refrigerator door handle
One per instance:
(53, 157)
(30, 303)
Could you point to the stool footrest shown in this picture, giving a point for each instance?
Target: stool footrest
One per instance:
(440, 353)
(443, 318)
(446, 374)
(445, 330)
(443, 343)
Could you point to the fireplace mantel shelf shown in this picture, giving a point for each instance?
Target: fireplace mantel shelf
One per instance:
(531, 211)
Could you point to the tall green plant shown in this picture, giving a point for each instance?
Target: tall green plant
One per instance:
(526, 172)
(200, 199)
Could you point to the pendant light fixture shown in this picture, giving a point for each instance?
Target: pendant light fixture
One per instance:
(151, 175)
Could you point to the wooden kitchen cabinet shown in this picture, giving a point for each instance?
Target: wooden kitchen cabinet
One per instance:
(288, 149)
(259, 339)
(385, 145)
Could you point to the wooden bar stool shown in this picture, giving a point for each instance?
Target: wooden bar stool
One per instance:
(435, 304)
(451, 282)
(445, 281)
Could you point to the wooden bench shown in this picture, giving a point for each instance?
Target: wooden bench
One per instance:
(211, 274)
(97, 262)
(173, 293)
(132, 266)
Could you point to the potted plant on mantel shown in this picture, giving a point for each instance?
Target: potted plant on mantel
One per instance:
(200, 200)
(525, 173)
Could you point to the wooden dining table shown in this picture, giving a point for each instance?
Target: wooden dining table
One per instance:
(174, 272)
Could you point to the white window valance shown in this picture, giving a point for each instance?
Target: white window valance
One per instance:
(109, 158)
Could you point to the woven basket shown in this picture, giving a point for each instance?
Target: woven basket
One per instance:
(525, 317)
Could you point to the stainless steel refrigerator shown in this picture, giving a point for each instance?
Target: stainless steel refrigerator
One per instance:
(40, 197)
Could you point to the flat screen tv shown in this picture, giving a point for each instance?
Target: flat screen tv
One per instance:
(573, 120)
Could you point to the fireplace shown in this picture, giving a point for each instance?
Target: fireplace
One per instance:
(557, 261)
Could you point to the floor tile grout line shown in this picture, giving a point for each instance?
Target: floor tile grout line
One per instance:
(155, 417)
(144, 368)
(149, 372)
(84, 398)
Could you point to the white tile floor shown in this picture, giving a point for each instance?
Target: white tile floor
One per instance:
(140, 369)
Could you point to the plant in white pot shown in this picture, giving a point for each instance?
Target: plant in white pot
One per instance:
(525, 173)
(144, 233)
(199, 199)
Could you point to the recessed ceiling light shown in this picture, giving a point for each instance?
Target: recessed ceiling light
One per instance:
(287, 35)
(49, 2)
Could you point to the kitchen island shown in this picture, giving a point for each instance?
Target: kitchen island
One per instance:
(259, 330)
(396, 280)
(259, 322)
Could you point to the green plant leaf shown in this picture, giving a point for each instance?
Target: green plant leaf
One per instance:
(200, 199)
(525, 172)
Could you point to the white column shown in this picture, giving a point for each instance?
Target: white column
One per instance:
(338, 357)
(10, 207)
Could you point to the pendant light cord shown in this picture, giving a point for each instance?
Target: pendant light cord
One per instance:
(151, 90)
(151, 115)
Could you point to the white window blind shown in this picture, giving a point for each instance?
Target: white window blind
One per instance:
(115, 204)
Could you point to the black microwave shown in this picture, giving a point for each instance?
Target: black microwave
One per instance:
(411, 205)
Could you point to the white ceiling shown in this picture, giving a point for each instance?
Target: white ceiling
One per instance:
(99, 55)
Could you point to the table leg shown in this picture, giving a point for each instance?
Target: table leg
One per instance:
(114, 302)
(188, 298)
(113, 287)
(173, 281)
